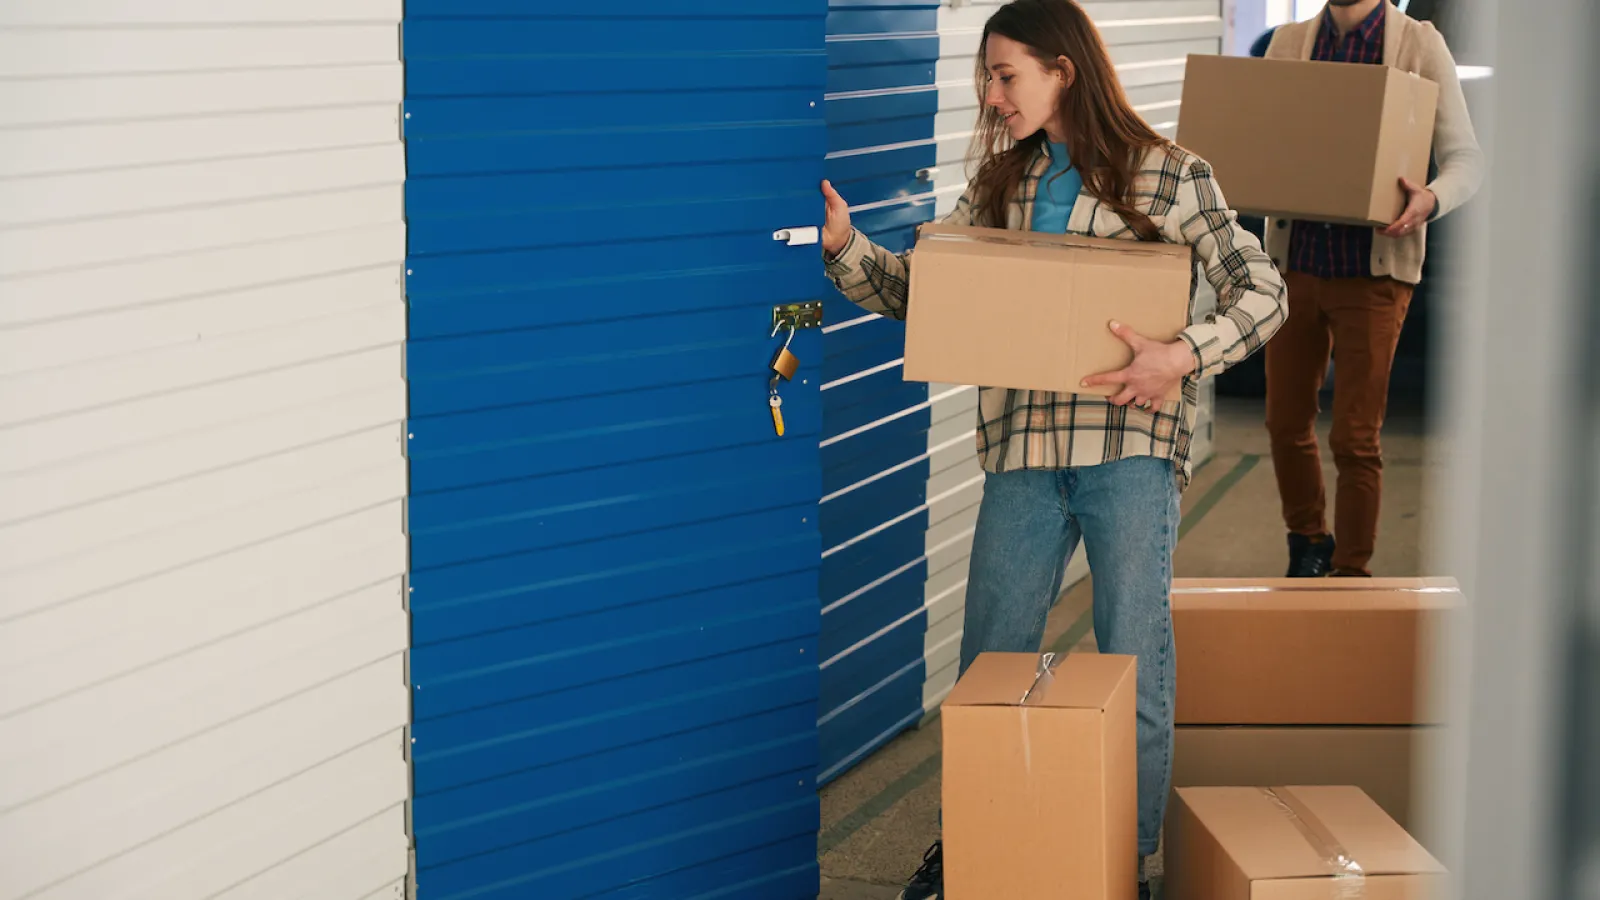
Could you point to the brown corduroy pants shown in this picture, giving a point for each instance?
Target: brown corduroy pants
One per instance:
(1358, 321)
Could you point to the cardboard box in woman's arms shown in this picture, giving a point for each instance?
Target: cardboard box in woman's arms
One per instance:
(1032, 311)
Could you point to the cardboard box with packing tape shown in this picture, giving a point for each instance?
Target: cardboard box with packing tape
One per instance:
(1384, 762)
(1294, 681)
(1032, 311)
(1040, 781)
(1308, 651)
(1291, 843)
(1321, 141)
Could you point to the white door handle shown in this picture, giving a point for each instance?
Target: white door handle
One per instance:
(798, 237)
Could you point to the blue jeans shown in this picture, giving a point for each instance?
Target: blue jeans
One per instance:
(1126, 513)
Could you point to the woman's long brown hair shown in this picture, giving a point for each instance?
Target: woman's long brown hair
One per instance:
(1105, 137)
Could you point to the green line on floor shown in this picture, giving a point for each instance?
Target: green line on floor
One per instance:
(894, 791)
(878, 804)
(1213, 496)
(1075, 632)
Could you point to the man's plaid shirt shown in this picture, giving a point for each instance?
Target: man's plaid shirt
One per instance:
(1321, 248)
(1044, 430)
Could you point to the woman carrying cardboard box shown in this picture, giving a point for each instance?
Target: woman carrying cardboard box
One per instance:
(1059, 148)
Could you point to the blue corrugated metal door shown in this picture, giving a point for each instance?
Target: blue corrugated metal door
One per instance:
(614, 559)
(880, 111)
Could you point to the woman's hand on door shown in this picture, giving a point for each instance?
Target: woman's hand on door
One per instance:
(836, 226)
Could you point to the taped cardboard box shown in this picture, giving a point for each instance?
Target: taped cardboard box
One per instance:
(1291, 843)
(1032, 311)
(1379, 760)
(1040, 782)
(1308, 652)
(1322, 141)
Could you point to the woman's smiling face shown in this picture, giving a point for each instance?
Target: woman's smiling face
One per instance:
(1025, 93)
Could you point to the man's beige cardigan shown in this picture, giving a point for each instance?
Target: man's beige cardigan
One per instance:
(1415, 47)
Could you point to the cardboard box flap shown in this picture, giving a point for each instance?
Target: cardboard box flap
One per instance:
(1421, 585)
(1299, 596)
(937, 236)
(1283, 833)
(1077, 681)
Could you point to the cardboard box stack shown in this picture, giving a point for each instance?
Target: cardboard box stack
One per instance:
(1291, 843)
(1040, 780)
(1307, 682)
(1264, 127)
(1280, 683)
(1032, 311)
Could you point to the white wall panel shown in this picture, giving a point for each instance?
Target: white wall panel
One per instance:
(202, 404)
(956, 480)
(189, 12)
(879, 106)
(122, 286)
(79, 195)
(124, 96)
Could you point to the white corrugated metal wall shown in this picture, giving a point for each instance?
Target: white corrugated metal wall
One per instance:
(880, 107)
(202, 621)
(1149, 42)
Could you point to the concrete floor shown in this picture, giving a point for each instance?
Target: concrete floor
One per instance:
(878, 818)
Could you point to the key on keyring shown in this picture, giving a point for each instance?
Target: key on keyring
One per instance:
(777, 412)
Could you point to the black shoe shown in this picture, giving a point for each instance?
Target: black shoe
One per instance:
(928, 883)
(1144, 890)
(1310, 557)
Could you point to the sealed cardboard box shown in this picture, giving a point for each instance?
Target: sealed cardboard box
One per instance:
(1291, 843)
(1031, 311)
(1268, 129)
(1308, 652)
(1378, 760)
(1041, 779)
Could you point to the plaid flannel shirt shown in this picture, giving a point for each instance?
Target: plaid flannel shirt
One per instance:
(1044, 430)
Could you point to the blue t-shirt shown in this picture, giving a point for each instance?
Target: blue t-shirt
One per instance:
(1058, 190)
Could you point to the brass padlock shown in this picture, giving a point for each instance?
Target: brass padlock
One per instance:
(784, 362)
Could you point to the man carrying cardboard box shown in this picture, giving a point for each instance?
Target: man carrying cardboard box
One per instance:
(1349, 289)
